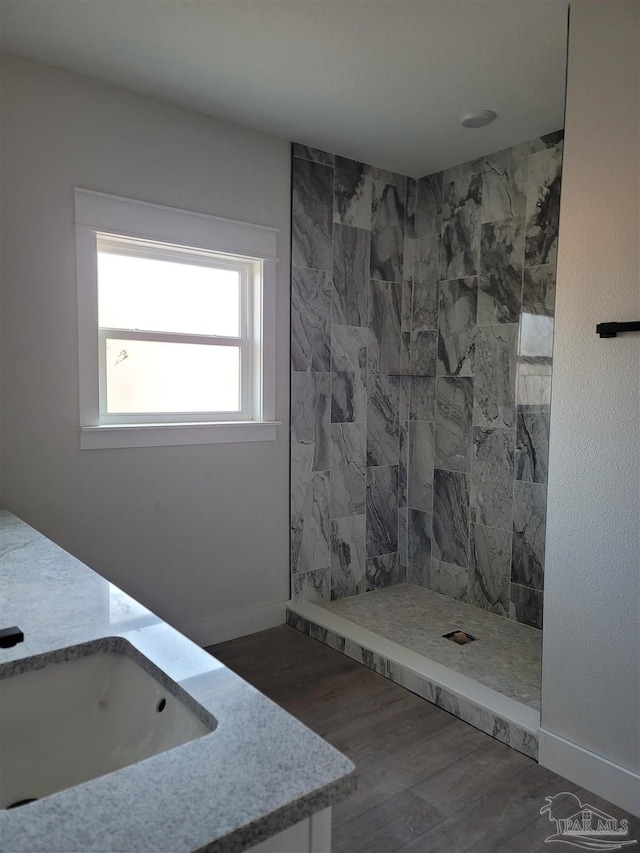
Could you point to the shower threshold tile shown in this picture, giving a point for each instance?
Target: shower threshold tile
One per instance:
(387, 652)
(506, 655)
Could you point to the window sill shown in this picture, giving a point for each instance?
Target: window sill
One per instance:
(165, 435)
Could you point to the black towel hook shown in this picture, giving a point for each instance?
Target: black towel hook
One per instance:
(612, 330)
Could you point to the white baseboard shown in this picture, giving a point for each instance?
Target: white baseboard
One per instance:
(593, 772)
(207, 632)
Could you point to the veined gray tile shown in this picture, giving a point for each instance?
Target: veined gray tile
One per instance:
(492, 477)
(410, 208)
(403, 462)
(517, 153)
(403, 541)
(422, 360)
(456, 322)
(382, 510)
(350, 275)
(383, 570)
(493, 454)
(312, 586)
(351, 165)
(314, 154)
(310, 522)
(420, 465)
(529, 529)
(422, 398)
(418, 571)
(349, 361)
(543, 206)
(329, 638)
(385, 305)
(348, 486)
(409, 257)
(460, 253)
(526, 605)
(404, 385)
(427, 259)
(348, 560)
(499, 161)
(489, 569)
(368, 658)
(469, 167)
(534, 391)
(492, 503)
(295, 621)
(384, 176)
(387, 232)
(451, 517)
(539, 290)
(448, 579)
(523, 741)
(500, 288)
(311, 215)
(425, 284)
(407, 298)
(429, 205)
(382, 419)
(495, 376)
(501, 730)
(310, 321)
(410, 680)
(405, 353)
(454, 416)
(424, 313)
(317, 632)
(532, 451)
(504, 188)
(450, 702)
(310, 420)
(352, 198)
(419, 547)
(550, 140)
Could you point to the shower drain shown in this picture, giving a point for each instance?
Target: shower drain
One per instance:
(460, 637)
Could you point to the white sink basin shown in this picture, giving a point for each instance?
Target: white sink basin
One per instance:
(101, 708)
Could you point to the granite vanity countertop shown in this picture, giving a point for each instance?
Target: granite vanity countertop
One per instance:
(259, 772)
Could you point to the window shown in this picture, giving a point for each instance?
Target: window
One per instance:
(174, 332)
(176, 325)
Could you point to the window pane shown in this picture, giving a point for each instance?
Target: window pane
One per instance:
(155, 376)
(165, 296)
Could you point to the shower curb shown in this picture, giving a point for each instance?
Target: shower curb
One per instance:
(505, 719)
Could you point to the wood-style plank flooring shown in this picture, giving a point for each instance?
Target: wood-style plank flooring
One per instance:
(427, 782)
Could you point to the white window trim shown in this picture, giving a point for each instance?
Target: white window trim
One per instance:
(101, 213)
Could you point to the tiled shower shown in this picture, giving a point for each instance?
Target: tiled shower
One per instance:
(422, 335)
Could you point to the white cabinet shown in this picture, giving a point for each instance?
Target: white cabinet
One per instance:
(312, 835)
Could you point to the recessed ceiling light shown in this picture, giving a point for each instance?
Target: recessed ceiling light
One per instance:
(478, 118)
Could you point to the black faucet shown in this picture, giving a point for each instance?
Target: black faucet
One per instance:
(10, 637)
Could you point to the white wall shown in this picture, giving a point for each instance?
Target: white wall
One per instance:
(591, 666)
(196, 532)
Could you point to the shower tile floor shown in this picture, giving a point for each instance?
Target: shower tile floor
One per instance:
(506, 655)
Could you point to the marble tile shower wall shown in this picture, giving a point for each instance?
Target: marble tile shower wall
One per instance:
(422, 333)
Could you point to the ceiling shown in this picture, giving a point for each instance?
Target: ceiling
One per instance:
(381, 81)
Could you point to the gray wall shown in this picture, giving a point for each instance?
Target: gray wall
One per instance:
(346, 388)
(485, 252)
(422, 330)
(197, 533)
(591, 674)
